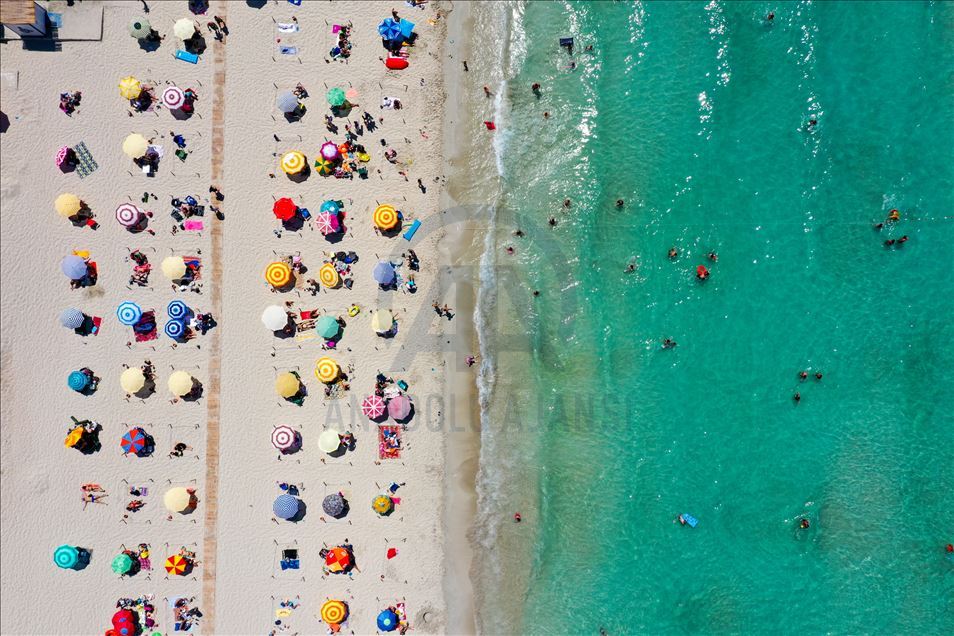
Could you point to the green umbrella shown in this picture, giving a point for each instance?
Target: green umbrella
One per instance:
(140, 28)
(336, 97)
(122, 563)
(327, 327)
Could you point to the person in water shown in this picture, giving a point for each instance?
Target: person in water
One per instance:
(818, 375)
(566, 203)
(673, 252)
(669, 343)
(803, 375)
(804, 524)
(619, 203)
(535, 87)
(702, 272)
(517, 518)
(797, 397)
(903, 239)
(552, 222)
(713, 257)
(894, 215)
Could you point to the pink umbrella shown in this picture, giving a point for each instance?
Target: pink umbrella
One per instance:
(329, 150)
(373, 407)
(351, 94)
(284, 437)
(173, 98)
(399, 407)
(62, 154)
(128, 214)
(327, 223)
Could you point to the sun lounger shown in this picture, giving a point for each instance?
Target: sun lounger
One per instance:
(185, 56)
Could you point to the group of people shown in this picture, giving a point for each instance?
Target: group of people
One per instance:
(69, 102)
(343, 47)
(141, 269)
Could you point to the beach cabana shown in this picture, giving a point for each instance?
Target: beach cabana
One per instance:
(66, 557)
(382, 504)
(373, 407)
(385, 217)
(399, 407)
(327, 327)
(284, 438)
(382, 321)
(338, 560)
(384, 273)
(174, 267)
(179, 499)
(329, 441)
(67, 204)
(180, 383)
(388, 620)
(284, 209)
(135, 146)
(328, 276)
(286, 506)
(293, 162)
(132, 380)
(278, 274)
(275, 318)
(334, 505)
(287, 385)
(334, 612)
(122, 564)
(130, 87)
(327, 370)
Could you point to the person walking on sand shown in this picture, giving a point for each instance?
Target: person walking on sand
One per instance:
(487, 92)
(437, 308)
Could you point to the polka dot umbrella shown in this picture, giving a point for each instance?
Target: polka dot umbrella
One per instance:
(72, 318)
(286, 506)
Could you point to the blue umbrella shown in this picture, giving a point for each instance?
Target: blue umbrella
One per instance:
(384, 273)
(129, 313)
(178, 310)
(285, 507)
(74, 267)
(286, 102)
(78, 380)
(331, 207)
(66, 557)
(175, 329)
(387, 621)
(72, 318)
(389, 29)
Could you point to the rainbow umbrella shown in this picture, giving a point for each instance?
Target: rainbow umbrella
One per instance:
(175, 329)
(327, 327)
(285, 506)
(74, 267)
(385, 217)
(72, 318)
(173, 98)
(133, 441)
(338, 560)
(129, 313)
(177, 565)
(387, 620)
(284, 437)
(327, 223)
(284, 209)
(382, 504)
(334, 612)
(329, 151)
(331, 206)
(178, 310)
(278, 274)
(121, 564)
(324, 166)
(128, 214)
(399, 407)
(77, 380)
(66, 557)
(373, 406)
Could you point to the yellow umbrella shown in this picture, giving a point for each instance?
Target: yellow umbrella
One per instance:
(180, 383)
(328, 276)
(129, 87)
(326, 369)
(132, 380)
(382, 320)
(135, 146)
(329, 441)
(385, 217)
(287, 384)
(278, 274)
(382, 504)
(67, 204)
(177, 499)
(334, 612)
(184, 28)
(293, 162)
(173, 267)
(74, 437)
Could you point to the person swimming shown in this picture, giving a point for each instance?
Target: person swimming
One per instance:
(669, 343)
(535, 87)
(566, 203)
(673, 252)
(797, 397)
(702, 272)
(804, 524)
(619, 203)
(894, 215)
(818, 375)
(552, 222)
(713, 257)
(803, 375)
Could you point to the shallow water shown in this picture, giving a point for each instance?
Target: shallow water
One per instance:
(697, 116)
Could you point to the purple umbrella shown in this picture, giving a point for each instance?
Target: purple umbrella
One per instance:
(329, 150)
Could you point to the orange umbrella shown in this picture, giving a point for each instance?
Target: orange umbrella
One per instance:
(338, 559)
(177, 564)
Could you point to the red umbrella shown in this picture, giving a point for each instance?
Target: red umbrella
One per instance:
(124, 622)
(133, 441)
(284, 208)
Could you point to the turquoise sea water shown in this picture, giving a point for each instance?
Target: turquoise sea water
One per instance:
(697, 115)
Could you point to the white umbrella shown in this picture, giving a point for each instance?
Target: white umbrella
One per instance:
(274, 318)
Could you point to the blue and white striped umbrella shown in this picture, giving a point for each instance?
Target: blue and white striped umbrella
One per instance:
(285, 507)
(175, 329)
(178, 310)
(72, 318)
(129, 313)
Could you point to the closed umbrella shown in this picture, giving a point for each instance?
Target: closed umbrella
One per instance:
(275, 318)
(180, 383)
(278, 274)
(338, 560)
(129, 87)
(382, 504)
(135, 146)
(284, 209)
(173, 98)
(66, 557)
(128, 214)
(74, 267)
(285, 506)
(385, 217)
(67, 204)
(129, 313)
(327, 327)
(327, 223)
(121, 563)
(286, 102)
(399, 407)
(184, 28)
(326, 370)
(77, 380)
(334, 612)
(329, 276)
(178, 310)
(293, 162)
(140, 28)
(133, 441)
(132, 380)
(333, 504)
(384, 273)
(72, 318)
(178, 499)
(382, 321)
(173, 267)
(329, 441)
(336, 97)
(373, 407)
(329, 151)
(331, 206)
(287, 385)
(284, 437)
(175, 329)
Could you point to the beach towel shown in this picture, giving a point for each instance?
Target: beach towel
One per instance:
(389, 442)
(193, 225)
(288, 50)
(85, 164)
(97, 321)
(287, 27)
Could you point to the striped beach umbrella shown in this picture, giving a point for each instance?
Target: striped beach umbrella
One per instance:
(129, 313)
(387, 620)
(66, 557)
(384, 273)
(324, 166)
(293, 162)
(178, 310)
(284, 437)
(334, 612)
(327, 223)
(327, 327)
(180, 383)
(382, 504)
(284, 209)
(326, 370)
(178, 499)
(385, 217)
(132, 380)
(129, 87)
(382, 321)
(67, 204)
(184, 28)
(278, 274)
(135, 146)
(74, 267)
(173, 267)
(62, 155)
(275, 318)
(173, 98)
(286, 102)
(329, 151)
(285, 506)
(140, 28)
(128, 214)
(329, 441)
(373, 407)
(175, 329)
(287, 385)
(177, 565)
(133, 441)
(328, 276)
(77, 380)
(121, 564)
(334, 504)
(331, 206)
(338, 559)
(72, 318)
(399, 407)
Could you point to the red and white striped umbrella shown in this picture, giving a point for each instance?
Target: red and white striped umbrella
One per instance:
(128, 214)
(173, 97)
(327, 223)
(373, 407)
(283, 437)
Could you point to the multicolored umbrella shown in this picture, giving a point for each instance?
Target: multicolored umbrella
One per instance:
(385, 217)
(387, 620)
(178, 310)
(293, 162)
(284, 437)
(329, 151)
(72, 318)
(178, 499)
(129, 87)
(184, 28)
(77, 380)
(140, 28)
(132, 380)
(128, 214)
(62, 155)
(121, 564)
(327, 223)
(382, 321)
(284, 209)
(177, 565)
(133, 441)
(399, 407)
(327, 327)
(278, 274)
(67, 204)
(382, 504)
(175, 329)
(135, 146)
(173, 98)
(285, 506)
(286, 102)
(173, 267)
(334, 504)
(180, 383)
(373, 407)
(66, 557)
(323, 166)
(329, 276)
(326, 370)
(329, 441)
(331, 206)
(384, 273)
(287, 385)
(338, 559)
(275, 318)
(129, 313)
(336, 97)
(334, 612)
(74, 267)
(74, 436)
(389, 29)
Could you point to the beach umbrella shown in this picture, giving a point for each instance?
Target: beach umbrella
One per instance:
(334, 612)
(278, 274)
(329, 151)
(132, 380)
(133, 441)
(284, 437)
(336, 97)
(173, 98)
(287, 385)
(326, 370)
(384, 273)
(121, 563)
(173, 267)
(184, 28)
(373, 407)
(128, 214)
(74, 267)
(389, 29)
(382, 321)
(129, 87)
(333, 504)
(135, 146)
(77, 380)
(275, 318)
(129, 313)
(329, 441)
(387, 620)
(328, 276)
(72, 318)
(175, 329)
(382, 504)
(385, 217)
(285, 506)
(140, 28)
(286, 102)
(178, 310)
(327, 327)
(74, 436)
(293, 162)
(177, 565)
(62, 155)
(330, 206)
(124, 623)
(66, 557)
(180, 383)
(284, 209)
(178, 499)
(67, 204)
(323, 166)
(338, 559)
(399, 407)
(327, 223)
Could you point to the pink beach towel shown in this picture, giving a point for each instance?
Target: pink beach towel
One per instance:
(193, 225)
